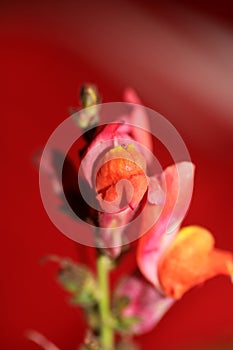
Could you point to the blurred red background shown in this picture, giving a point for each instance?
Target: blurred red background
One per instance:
(179, 58)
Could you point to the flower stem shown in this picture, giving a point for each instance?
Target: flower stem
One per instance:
(107, 335)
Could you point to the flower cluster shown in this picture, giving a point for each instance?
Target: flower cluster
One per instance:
(170, 259)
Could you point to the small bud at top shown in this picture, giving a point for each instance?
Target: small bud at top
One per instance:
(89, 95)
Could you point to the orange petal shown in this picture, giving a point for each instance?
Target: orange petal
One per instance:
(191, 260)
(122, 164)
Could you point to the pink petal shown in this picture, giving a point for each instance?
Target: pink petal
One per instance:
(179, 184)
(146, 303)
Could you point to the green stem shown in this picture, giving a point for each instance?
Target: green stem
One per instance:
(107, 335)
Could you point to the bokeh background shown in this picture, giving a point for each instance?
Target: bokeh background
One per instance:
(179, 57)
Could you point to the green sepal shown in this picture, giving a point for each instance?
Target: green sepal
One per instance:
(119, 304)
(121, 323)
(125, 324)
(79, 281)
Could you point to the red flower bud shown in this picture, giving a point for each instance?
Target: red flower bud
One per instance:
(122, 164)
